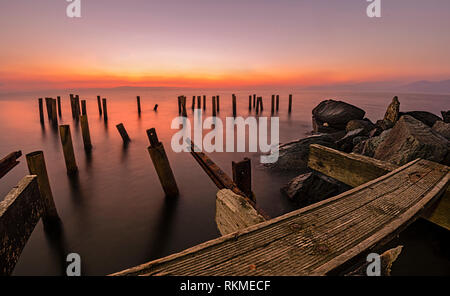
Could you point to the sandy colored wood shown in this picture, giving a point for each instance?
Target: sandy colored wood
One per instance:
(9, 162)
(69, 155)
(319, 239)
(85, 132)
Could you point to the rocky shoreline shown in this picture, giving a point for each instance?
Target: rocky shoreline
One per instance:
(398, 138)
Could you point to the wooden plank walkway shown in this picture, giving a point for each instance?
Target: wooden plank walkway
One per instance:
(317, 240)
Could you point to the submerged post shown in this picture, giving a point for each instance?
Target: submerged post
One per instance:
(53, 111)
(199, 102)
(69, 155)
(290, 104)
(179, 104)
(254, 100)
(72, 105)
(77, 107)
(161, 164)
(85, 132)
(59, 105)
(273, 105)
(105, 110)
(214, 106)
(242, 176)
(36, 166)
(48, 105)
(234, 105)
(83, 107)
(261, 104)
(204, 103)
(123, 133)
(193, 102)
(218, 103)
(278, 102)
(139, 104)
(41, 110)
(250, 102)
(99, 105)
(183, 106)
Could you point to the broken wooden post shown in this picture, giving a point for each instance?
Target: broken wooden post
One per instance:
(183, 106)
(59, 105)
(261, 104)
(278, 102)
(85, 132)
(72, 105)
(36, 166)
(179, 104)
(254, 100)
(83, 107)
(123, 133)
(218, 103)
(250, 102)
(53, 111)
(77, 107)
(161, 164)
(193, 102)
(214, 110)
(155, 108)
(204, 103)
(272, 110)
(9, 162)
(199, 102)
(242, 176)
(69, 155)
(234, 106)
(99, 104)
(290, 104)
(139, 104)
(41, 110)
(105, 110)
(48, 105)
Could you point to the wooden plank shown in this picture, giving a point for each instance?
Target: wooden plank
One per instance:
(19, 213)
(9, 162)
(319, 239)
(354, 170)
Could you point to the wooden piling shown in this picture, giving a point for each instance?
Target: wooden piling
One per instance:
(179, 104)
(272, 110)
(155, 108)
(85, 132)
(218, 103)
(77, 107)
(83, 107)
(204, 103)
(139, 104)
(183, 106)
(59, 105)
(41, 110)
(123, 133)
(48, 105)
(254, 100)
(278, 103)
(250, 102)
(105, 110)
(72, 105)
(161, 164)
(261, 105)
(290, 104)
(36, 166)
(214, 110)
(53, 112)
(193, 102)
(99, 104)
(199, 102)
(242, 176)
(69, 155)
(234, 106)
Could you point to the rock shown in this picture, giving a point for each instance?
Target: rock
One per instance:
(375, 132)
(346, 143)
(294, 156)
(384, 124)
(322, 127)
(335, 114)
(442, 128)
(426, 117)
(312, 187)
(365, 124)
(393, 110)
(369, 146)
(446, 116)
(359, 139)
(411, 139)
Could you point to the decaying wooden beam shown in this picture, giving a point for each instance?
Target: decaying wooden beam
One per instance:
(355, 170)
(19, 213)
(9, 162)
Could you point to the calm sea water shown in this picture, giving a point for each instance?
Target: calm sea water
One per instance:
(114, 211)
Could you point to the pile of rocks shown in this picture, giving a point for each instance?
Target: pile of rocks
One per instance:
(399, 138)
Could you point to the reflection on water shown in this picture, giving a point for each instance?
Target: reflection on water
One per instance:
(113, 211)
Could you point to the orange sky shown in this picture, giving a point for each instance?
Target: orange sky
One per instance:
(209, 43)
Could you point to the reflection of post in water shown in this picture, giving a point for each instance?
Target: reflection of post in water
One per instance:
(57, 243)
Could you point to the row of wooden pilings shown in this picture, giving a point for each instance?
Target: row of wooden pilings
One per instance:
(254, 103)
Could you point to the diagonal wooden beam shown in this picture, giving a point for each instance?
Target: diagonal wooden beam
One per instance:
(9, 162)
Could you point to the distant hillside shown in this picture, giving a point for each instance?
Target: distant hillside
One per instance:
(442, 87)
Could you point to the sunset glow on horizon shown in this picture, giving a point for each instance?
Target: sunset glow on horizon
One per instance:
(210, 43)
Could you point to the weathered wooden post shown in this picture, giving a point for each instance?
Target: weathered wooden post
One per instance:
(161, 164)
(69, 155)
(83, 107)
(36, 166)
(250, 102)
(257, 105)
(234, 105)
(204, 103)
(41, 110)
(77, 107)
(53, 111)
(123, 133)
(59, 105)
(242, 176)
(193, 102)
(105, 110)
(99, 105)
(183, 105)
(72, 105)
(139, 104)
(261, 105)
(85, 132)
(155, 108)
(48, 105)
(290, 103)
(278, 102)
(214, 106)
(218, 103)
(179, 104)
(254, 100)
(273, 105)
(199, 102)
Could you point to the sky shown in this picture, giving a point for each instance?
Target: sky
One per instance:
(220, 43)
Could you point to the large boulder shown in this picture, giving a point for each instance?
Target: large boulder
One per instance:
(446, 116)
(393, 111)
(334, 115)
(312, 187)
(426, 117)
(369, 146)
(442, 128)
(346, 143)
(411, 139)
(294, 156)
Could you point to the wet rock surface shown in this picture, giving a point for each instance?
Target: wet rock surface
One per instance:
(425, 117)
(446, 116)
(442, 128)
(331, 115)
